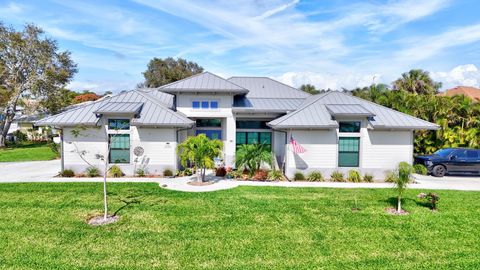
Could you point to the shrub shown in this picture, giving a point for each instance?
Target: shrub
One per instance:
(140, 172)
(186, 172)
(354, 176)
(298, 176)
(390, 177)
(368, 178)
(67, 173)
(260, 175)
(432, 199)
(55, 148)
(420, 169)
(92, 171)
(275, 175)
(20, 136)
(115, 171)
(220, 172)
(337, 176)
(167, 173)
(315, 176)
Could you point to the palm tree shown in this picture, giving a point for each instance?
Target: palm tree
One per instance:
(402, 178)
(201, 151)
(417, 81)
(252, 156)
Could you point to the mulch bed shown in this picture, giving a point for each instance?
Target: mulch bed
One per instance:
(393, 211)
(99, 220)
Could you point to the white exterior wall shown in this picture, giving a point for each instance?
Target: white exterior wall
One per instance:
(380, 151)
(159, 146)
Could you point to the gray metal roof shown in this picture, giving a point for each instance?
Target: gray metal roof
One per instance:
(314, 114)
(154, 112)
(348, 110)
(165, 98)
(283, 105)
(205, 82)
(264, 87)
(119, 107)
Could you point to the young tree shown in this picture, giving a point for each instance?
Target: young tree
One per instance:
(201, 151)
(403, 176)
(163, 71)
(30, 63)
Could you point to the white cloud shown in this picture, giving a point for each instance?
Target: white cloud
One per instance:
(100, 87)
(12, 8)
(463, 75)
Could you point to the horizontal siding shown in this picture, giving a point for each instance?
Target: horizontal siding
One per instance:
(385, 149)
(159, 146)
(91, 140)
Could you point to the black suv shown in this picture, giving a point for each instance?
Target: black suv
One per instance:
(451, 161)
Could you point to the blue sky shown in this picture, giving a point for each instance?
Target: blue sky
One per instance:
(331, 44)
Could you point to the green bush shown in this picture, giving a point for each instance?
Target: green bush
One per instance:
(67, 173)
(140, 172)
(275, 175)
(354, 176)
(55, 148)
(337, 176)
(390, 177)
(315, 176)
(298, 176)
(20, 136)
(420, 169)
(167, 173)
(367, 178)
(92, 171)
(115, 171)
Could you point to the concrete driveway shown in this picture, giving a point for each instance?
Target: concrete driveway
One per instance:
(29, 171)
(447, 182)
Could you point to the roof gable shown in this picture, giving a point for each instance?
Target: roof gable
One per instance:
(205, 82)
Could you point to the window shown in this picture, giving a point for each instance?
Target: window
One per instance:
(461, 154)
(196, 104)
(119, 124)
(205, 104)
(349, 127)
(254, 137)
(209, 122)
(252, 124)
(119, 148)
(348, 151)
(213, 104)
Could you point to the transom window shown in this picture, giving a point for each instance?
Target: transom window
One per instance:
(205, 104)
(119, 124)
(119, 148)
(349, 127)
(251, 124)
(348, 151)
(209, 123)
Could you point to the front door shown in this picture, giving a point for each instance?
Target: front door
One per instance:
(212, 134)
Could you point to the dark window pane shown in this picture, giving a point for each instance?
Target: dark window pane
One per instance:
(349, 127)
(252, 137)
(241, 137)
(348, 151)
(209, 122)
(119, 124)
(214, 104)
(196, 104)
(205, 104)
(460, 154)
(252, 124)
(266, 137)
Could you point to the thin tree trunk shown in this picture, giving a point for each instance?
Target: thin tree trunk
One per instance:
(399, 204)
(4, 129)
(105, 201)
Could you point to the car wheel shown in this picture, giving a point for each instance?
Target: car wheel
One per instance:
(439, 171)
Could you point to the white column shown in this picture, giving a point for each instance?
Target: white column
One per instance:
(230, 141)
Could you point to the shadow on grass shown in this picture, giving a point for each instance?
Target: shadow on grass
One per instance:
(126, 203)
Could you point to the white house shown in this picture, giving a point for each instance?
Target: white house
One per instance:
(338, 131)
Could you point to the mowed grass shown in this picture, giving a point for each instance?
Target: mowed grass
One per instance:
(26, 152)
(42, 226)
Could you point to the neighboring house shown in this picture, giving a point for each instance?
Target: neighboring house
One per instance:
(337, 130)
(471, 92)
(26, 125)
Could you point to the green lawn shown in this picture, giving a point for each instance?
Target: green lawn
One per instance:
(27, 152)
(42, 226)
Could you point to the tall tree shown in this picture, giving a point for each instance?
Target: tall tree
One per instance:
(417, 81)
(163, 71)
(31, 64)
(309, 88)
